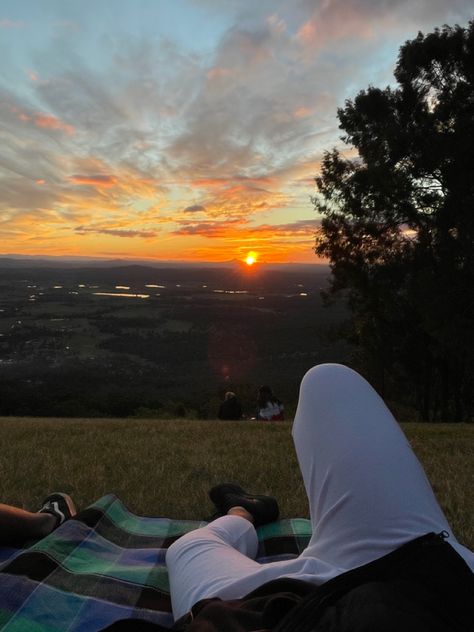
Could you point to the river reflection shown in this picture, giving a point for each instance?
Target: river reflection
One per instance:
(121, 294)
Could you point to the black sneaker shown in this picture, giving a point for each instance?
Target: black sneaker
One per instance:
(263, 509)
(59, 505)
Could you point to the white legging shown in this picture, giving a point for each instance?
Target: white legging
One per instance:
(367, 492)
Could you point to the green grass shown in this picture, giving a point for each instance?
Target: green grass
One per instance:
(164, 468)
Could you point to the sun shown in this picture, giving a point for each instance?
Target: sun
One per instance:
(251, 258)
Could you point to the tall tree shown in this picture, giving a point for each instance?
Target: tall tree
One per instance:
(398, 223)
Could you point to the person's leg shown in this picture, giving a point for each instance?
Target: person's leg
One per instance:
(367, 491)
(218, 561)
(18, 525)
(207, 561)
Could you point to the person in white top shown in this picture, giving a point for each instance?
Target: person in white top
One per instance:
(269, 407)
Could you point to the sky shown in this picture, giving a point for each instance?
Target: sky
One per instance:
(183, 129)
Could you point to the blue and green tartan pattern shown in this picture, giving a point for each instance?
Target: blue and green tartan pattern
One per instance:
(108, 564)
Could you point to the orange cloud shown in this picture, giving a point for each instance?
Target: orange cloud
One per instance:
(292, 229)
(218, 73)
(127, 181)
(89, 164)
(209, 182)
(21, 116)
(223, 182)
(51, 122)
(239, 201)
(210, 229)
(116, 232)
(105, 181)
(242, 193)
(139, 186)
(302, 112)
(239, 196)
(307, 33)
(238, 230)
(42, 120)
(338, 20)
(227, 239)
(34, 227)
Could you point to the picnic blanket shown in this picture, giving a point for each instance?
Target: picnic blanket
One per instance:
(108, 564)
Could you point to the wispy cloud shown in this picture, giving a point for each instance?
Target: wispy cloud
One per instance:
(6, 23)
(48, 121)
(263, 237)
(195, 208)
(116, 232)
(97, 180)
(209, 228)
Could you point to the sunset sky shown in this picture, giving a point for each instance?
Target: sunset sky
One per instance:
(182, 129)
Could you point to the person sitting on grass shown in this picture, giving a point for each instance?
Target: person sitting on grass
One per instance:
(230, 409)
(269, 407)
(18, 525)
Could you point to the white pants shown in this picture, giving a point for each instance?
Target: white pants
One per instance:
(367, 492)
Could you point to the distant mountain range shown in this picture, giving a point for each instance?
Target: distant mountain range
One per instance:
(45, 261)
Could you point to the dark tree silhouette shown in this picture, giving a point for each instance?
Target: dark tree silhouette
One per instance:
(398, 224)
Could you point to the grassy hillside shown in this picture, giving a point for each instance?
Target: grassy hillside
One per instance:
(165, 467)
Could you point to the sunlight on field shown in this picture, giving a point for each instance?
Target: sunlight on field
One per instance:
(165, 468)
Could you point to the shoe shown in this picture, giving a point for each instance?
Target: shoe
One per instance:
(59, 505)
(263, 509)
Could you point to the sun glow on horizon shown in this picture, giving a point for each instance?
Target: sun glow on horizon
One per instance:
(251, 258)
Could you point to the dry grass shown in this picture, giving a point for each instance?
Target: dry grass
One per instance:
(166, 467)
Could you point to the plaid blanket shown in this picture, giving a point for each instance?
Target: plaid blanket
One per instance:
(108, 564)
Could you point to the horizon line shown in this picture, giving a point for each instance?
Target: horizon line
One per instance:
(180, 262)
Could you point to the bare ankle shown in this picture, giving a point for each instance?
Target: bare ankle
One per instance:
(240, 511)
(46, 523)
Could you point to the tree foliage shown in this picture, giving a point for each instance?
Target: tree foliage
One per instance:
(398, 223)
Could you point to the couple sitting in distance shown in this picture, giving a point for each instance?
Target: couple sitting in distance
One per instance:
(269, 407)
